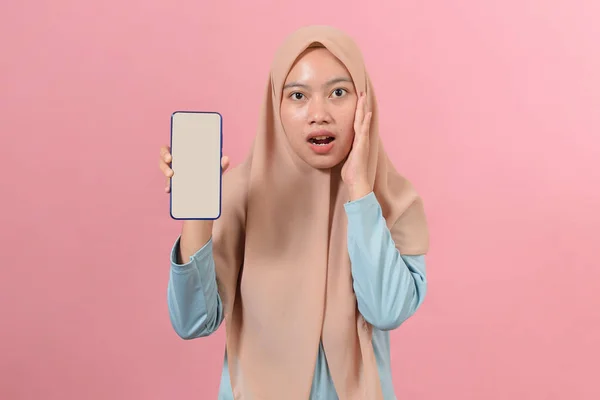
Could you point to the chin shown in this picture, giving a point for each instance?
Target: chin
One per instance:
(323, 162)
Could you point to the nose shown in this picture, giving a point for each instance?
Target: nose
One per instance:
(318, 112)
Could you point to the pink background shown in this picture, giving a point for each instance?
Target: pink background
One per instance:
(492, 109)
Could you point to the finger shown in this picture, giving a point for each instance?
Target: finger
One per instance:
(168, 186)
(164, 151)
(360, 112)
(366, 128)
(224, 163)
(166, 155)
(358, 118)
(166, 170)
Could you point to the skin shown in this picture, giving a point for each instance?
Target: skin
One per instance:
(318, 95)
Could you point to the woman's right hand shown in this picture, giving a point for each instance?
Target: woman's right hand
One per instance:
(165, 165)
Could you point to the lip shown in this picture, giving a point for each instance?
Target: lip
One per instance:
(321, 149)
(320, 133)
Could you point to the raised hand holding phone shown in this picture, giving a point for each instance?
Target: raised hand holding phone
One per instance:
(192, 180)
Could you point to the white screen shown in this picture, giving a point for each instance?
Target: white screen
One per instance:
(196, 163)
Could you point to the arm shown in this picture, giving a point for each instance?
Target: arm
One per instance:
(195, 307)
(205, 263)
(389, 287)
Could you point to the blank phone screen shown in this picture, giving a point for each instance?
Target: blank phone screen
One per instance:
(196, 141)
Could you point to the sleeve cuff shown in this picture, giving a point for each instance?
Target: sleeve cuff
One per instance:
(359, 205)
(200, 255)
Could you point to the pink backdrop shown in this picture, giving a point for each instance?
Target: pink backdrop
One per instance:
(491, 108)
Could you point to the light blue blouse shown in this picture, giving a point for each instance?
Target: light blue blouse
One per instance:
(389, 289)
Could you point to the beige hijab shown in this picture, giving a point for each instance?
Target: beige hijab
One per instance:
(282, 263)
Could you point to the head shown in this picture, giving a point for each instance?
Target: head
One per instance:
(318, 104)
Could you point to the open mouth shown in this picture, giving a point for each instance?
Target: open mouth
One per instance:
(321, 140)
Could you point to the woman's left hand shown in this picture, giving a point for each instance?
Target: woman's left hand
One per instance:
(354, 171)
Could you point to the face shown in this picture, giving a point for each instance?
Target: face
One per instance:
(318, 108)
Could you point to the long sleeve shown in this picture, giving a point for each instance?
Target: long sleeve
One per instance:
(195, 307)
(389, 287)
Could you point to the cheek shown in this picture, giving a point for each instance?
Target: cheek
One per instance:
(346, 131)
(346, 121)
(293, 119)
(298, 114)
(293, 114)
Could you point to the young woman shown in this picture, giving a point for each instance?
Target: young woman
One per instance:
(319, 251)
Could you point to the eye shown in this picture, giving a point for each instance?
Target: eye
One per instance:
(296, 96)
(339, 92)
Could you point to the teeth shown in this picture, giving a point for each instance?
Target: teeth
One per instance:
(320, 137)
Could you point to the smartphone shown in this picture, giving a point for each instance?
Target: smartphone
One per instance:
(196, 150)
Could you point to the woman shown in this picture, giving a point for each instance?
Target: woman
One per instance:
(320, 249)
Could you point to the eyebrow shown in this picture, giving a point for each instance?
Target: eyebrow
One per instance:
(328, 83)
